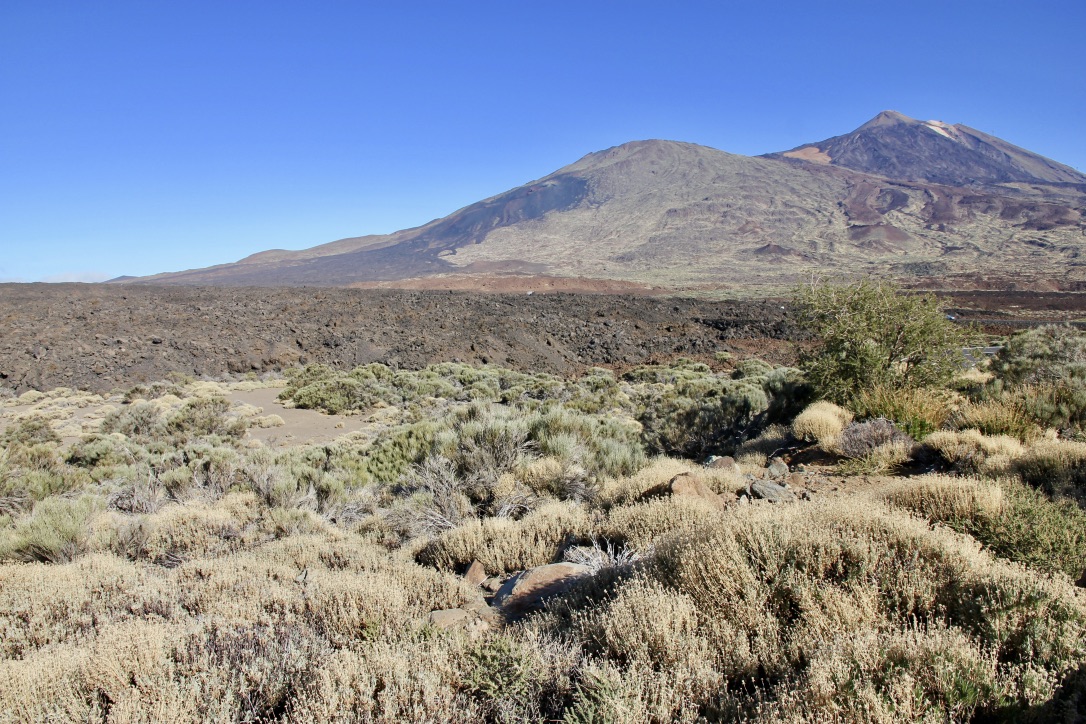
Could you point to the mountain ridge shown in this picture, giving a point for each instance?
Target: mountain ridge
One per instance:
(679, 215)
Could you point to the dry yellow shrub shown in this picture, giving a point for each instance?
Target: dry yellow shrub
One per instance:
(42, 604)
(910, 674)
(540, 474)
(641, 525)
(648, 624)
(379, 682)
(504, 545)
(973, 452)
(793, 579)
(943, 497)
(194, 530)
(633, 693)
(659, 471)
(45, 687)
(822, 423)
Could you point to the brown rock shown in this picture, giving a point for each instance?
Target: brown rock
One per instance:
(693, 486)
(481, 610)
(726, 463)
(450, 618)
(685, 484)
(492, 584)
(528, 590)
(476, 574)
(777, 469)
(473, 622)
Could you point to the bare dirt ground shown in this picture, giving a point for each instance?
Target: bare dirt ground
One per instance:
(74, 414)
(102, 337)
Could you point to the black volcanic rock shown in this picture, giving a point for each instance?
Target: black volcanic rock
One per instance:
(898, 147)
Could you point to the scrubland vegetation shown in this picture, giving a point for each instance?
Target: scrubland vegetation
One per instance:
(160, 564)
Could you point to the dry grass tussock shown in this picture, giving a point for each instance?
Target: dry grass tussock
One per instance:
(660, 470)
(504, 545)
(1053, 465)
(971, 451)
(945, 498)
(821, 423)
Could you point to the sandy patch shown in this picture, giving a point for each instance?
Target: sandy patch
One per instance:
(75, 414)
(814, 154)
(300, 427)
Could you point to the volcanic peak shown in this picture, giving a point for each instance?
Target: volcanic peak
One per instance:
(896, 146)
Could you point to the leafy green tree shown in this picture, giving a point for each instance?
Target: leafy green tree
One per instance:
(874, 334)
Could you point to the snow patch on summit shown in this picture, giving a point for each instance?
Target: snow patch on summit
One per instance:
(943, 129)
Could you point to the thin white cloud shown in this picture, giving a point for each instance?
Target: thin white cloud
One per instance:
(86, 276)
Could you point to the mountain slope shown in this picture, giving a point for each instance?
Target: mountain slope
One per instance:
(679, 215)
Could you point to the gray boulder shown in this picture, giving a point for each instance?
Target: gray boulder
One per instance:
(772, 492)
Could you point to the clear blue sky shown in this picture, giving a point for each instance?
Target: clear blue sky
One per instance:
(145, 136)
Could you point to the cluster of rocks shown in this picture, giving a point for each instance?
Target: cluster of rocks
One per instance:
(502, 599)
(775, 483)
(505, 598)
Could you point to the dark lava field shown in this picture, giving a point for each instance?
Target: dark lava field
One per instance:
(101, 337)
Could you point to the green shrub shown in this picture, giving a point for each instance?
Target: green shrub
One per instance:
(205, 417)
(30, 431)
(391, 455)
(788, 391)
(1050, 353)
(1045, 370)
(873, 333)
(41, 484)
(485, 442)
(918, 411)
(602, 445)
(57, 531)
(751, 368)
(142, 420)
(1057, 404)
(105, 451)
(1004, 415)
(696, 417)
(498, 668)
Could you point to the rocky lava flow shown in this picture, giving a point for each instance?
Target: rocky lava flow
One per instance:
(101, 337)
